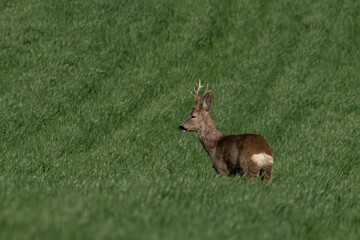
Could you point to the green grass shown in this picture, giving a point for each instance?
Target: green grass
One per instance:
(92, 93)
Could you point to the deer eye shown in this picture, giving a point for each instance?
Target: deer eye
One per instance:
(193, 116)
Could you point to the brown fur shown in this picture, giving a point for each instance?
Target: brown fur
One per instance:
(229, 154)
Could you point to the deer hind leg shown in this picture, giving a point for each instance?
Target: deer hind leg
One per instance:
(267, 174)
(253, 172)
(252, 177)
(265, 162)
(248, 167)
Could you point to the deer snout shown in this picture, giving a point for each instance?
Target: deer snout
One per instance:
(181, 128)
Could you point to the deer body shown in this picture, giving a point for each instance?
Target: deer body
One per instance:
(248, 154)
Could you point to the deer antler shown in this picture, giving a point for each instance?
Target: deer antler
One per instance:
(196, 92)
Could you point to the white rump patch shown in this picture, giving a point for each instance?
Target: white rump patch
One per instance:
(262, 159)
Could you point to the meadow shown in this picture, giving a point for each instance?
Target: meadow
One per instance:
(92, 94)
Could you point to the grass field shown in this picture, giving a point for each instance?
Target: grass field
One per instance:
(92, 93)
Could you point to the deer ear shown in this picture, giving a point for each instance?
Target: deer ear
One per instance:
(208, 101)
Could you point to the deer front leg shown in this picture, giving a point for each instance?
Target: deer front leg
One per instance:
(221, 169)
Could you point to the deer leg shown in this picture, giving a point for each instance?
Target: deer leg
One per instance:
(252, 174)
(221, 169)
(252, 177)
(252, 171)
(267, 176)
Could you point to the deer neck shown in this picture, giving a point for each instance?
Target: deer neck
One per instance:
(209, 136)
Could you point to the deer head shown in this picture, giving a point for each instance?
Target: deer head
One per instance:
(199, 116)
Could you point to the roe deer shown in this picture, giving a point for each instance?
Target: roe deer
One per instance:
(247, 154)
